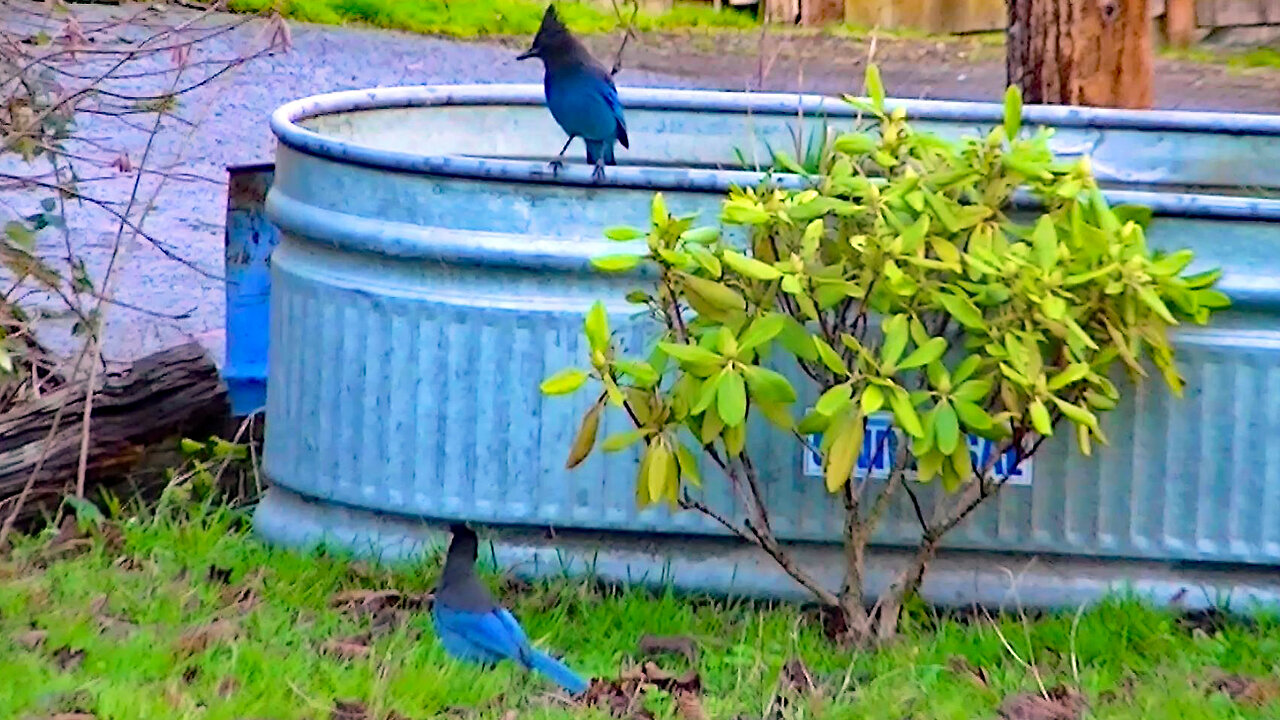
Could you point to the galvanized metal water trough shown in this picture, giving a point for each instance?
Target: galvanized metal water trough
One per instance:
(431, 270)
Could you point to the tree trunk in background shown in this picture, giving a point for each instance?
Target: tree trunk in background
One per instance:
(782, 11)
(821, 12)
(1180, 22)
(1081, 52)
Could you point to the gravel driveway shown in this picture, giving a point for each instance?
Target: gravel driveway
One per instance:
(189, 211)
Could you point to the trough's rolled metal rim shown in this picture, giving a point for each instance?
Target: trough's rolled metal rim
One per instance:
(285, 124)
(407, 241)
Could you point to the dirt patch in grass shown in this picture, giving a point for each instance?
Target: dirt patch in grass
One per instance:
(1058, 703)
(1255, 691)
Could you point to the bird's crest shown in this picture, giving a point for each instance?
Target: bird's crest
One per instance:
(463, 547)
(554, 43)
(552, 30)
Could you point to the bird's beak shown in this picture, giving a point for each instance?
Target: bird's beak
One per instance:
(531, 52)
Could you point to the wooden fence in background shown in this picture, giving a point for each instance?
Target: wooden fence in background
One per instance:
(962, 16)
(966, 16)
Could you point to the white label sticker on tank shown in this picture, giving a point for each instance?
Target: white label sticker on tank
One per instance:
(875, 439)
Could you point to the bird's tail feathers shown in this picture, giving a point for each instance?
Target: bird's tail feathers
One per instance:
(598, 150)
(557, 671)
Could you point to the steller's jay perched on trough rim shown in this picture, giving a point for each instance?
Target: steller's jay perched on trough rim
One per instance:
(580, 93)
(472, 626)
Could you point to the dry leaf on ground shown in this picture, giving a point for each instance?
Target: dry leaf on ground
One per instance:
(228, 687)
(1243, 689)
(31, 639)
(200, 638)
(624, 697)
(677, 644)
(1061, 703)
(690, 706)
(349, 710)
(353, 648)
(962, 667)
(68, 659)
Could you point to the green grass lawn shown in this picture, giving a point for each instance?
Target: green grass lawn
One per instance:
(506, 18)
(1236, 59)
(192, 618)
(474, 18)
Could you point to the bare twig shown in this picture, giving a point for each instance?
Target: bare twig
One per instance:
(757, 493)
(95, 341)
(1075, 657)
(672, 310)
(1030, 662)
(83, 466)
(915, 505)
(14, 512)
(87, 57)
(245, 427)
(629, 31)
(983, 485)
(788, 565)
(253, 455)
(762, 66)
(123, 218)
(47, 447)
(689, 503)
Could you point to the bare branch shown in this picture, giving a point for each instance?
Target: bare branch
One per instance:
(629, 31)
(788, 565)
(689, 503)
(122, 217)
(82, 466)
(7, 526)
(78, 73)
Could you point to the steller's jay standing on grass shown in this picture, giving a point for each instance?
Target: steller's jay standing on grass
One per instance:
(580, 93)
(472, 626)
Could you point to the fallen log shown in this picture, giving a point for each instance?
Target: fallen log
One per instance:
(172, 393)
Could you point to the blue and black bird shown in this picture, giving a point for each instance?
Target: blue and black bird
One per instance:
(473, 627)
(580, 93)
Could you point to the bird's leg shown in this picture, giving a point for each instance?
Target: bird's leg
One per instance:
(558, 163)
(598, 174)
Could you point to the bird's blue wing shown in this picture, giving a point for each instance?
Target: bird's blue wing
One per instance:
(513, 629)
(611, 97)
(483, 637)
(496, 635)
(459, 646)
(585, 103)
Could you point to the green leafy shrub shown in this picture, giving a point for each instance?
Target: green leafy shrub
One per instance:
(900, 282)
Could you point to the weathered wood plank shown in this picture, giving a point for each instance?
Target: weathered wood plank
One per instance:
(1234, 13)
(1180, 22)
(170, 393)
(962, 16)
(935, 16)
(821, 12)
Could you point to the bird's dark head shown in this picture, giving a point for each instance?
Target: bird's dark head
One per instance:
(461, 556)
(553, 38)
(464, 543)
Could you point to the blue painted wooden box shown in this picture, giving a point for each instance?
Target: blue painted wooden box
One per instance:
(431, 271)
